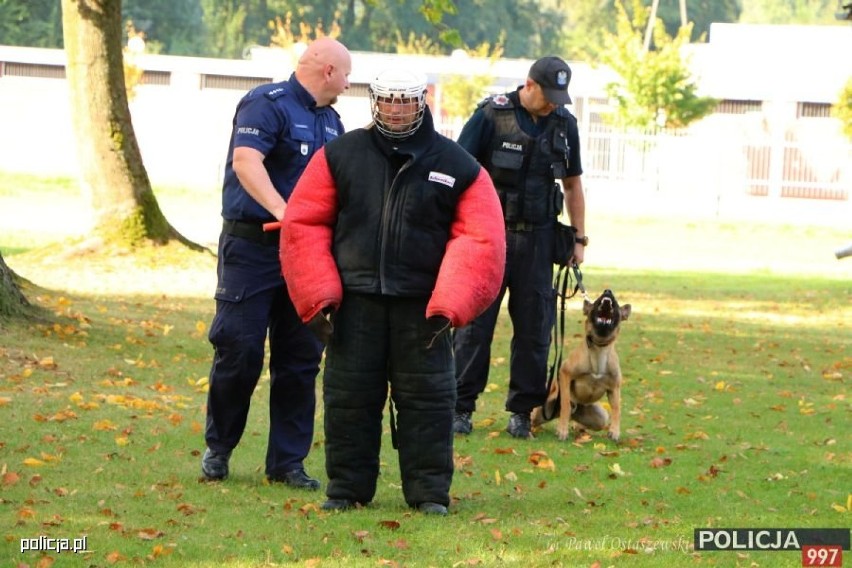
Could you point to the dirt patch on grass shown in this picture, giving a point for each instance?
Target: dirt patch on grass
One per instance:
(83, 267)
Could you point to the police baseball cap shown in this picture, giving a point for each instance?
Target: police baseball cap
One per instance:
(553, 75)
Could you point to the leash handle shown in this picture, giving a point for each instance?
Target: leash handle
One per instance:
(578, 276)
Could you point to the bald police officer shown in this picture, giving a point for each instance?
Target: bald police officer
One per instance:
(277, 128)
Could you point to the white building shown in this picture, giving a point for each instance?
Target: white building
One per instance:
(771, 137)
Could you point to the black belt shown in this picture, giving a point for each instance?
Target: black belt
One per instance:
(525, 226)
(252, 232)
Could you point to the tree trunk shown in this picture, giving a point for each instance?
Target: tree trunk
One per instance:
(12, 300)
(113, 175)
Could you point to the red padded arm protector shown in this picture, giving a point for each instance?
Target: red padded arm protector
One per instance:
(307, 264)
(471, 273)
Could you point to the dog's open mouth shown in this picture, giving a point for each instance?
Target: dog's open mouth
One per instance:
(605, 313)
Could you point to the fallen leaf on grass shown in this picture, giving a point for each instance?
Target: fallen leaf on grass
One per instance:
(104, 425)
(541, 460)
(392, 525)
(200, 329)
(160, 550)
(616, 471)
(660, 462)
(10, 478)
(711, 473)
(150, 534)
(188, 509)
(484, 519)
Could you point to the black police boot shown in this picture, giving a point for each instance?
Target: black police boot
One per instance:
(296, 478)
(214, 465)
(462, 423)
(519, 425)
(338, 505)
(430, 508)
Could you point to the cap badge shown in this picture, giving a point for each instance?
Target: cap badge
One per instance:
(562, 79)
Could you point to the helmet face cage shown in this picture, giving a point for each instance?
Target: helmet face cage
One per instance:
(393, 89)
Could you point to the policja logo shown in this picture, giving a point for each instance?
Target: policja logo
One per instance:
(768, 539)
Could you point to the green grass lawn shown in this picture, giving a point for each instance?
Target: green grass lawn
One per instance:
(736, 414)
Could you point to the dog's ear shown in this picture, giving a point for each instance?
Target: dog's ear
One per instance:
(625, 311)
(587, 307)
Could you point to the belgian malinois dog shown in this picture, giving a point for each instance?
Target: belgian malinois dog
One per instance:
(590, 371)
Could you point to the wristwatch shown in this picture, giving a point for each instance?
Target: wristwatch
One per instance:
(582, 240)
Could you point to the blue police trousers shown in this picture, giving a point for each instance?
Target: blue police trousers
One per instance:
(529, 280)
(251, 303)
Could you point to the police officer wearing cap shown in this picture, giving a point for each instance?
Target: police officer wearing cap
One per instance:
(276, 129)
(527, 140)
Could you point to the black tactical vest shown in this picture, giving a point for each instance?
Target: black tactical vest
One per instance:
(524, 169)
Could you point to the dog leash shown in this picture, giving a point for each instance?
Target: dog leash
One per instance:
(579, 276)
(561, 283)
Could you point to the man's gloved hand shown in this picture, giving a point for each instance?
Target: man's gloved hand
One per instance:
(321, 325)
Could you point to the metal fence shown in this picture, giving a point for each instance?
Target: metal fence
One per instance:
(806, 161)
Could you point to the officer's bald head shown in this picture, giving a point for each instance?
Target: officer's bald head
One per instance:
(323, 50)
(324, 68)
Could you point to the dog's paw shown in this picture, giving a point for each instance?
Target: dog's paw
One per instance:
(614, 436)
(562, 435)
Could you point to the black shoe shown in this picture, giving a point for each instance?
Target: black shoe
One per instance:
(214, 465)
(462, 423)
(430, 508)
(337, 505)
(519, 425)
(296, 478)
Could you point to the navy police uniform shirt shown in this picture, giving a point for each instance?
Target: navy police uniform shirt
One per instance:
(283, 122)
